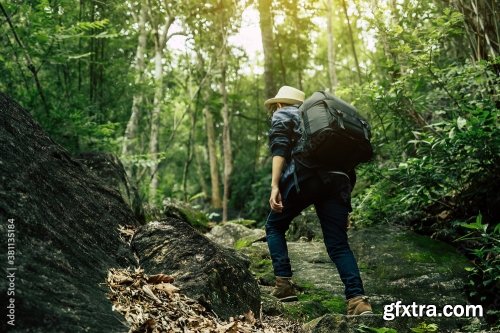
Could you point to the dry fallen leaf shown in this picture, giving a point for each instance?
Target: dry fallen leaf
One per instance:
(120, 278)
(166, 287)
(159, 278)
(150, 294)
(249, 317)
(127, 231)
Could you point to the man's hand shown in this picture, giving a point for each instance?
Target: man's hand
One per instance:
(275, 200)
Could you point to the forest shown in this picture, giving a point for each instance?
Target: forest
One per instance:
(176, 90)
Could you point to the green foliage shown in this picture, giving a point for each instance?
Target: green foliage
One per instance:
(255, 187)
(77, 55)
(425, 328)
(444, 159)
(483, 242)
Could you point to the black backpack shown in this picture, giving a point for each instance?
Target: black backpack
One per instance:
(333, 134)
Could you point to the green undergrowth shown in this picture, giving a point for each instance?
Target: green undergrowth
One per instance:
(260, 264)
(314, 302)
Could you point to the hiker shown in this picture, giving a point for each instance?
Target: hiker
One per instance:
(294, 187)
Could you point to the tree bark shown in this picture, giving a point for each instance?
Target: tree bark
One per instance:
(226, 137)
(266, 28)
(155, 115)
(190, 149)
(133, 122)
(161, 26)
(332, 72)
(351, 38)
(80, 17)
(200, 173)
(92, 56)
(212, 158)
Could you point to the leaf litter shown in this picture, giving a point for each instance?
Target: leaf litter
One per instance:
(152, 304)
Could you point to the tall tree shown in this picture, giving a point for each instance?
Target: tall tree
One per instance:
(351, 38)
(212, 158)
(266, 28)
(133, 122)
(226, 134)
(332, 72)
(162, 19)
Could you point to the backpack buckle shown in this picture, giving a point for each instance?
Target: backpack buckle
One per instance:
(339, 118)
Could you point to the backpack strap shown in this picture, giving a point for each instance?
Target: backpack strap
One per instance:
(295, 180)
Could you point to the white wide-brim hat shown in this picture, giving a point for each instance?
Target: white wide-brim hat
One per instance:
(287, 95)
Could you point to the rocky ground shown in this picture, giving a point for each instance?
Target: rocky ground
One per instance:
(396, 265)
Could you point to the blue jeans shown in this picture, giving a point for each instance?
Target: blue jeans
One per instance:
(333, 216)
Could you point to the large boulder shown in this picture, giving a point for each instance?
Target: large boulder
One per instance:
(110, 170)
(66, 233)
(183, 211)
(306, 226)
(217, 277)
(231, 235)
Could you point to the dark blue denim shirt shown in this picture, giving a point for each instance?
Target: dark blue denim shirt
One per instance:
(284, 135)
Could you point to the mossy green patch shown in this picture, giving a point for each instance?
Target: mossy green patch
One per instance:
(241, 243)
(314, 302)
(428, 250)
(245, 242)
(177, 209)
(260, 264)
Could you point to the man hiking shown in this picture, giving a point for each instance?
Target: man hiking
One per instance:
(294, 187)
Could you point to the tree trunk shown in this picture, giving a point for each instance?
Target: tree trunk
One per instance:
(351, 38)
(161, 26)
(155, 116)
(200, 173)
(212, 157)
(332, 72)
(266, 28)
(190, 148)
(226, 137)
(133, 122)
(481, 24)
(282, 64)
(80, 18)
(92, 56)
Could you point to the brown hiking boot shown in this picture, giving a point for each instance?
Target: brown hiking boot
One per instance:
(358, 305)
(284, 290)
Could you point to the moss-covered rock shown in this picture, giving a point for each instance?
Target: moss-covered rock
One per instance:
(398, 264)
(305, 227)
(235, 235)
(313, 303)
(395, 263)
(183, 211)
(260, 263)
